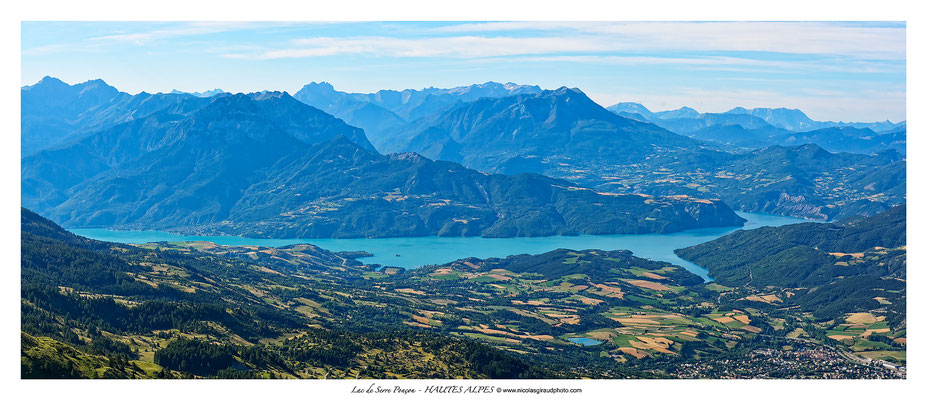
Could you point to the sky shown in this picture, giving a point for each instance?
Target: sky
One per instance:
(839, 71)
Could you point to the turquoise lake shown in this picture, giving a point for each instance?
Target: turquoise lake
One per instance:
(584, 341)
(411, 252)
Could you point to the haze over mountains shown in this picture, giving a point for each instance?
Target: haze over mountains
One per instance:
(761, 127)
(54, 112)
(267, 165)
(386, 109)
(485, 133)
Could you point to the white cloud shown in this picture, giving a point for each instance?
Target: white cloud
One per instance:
(188, 29)
(473, 40)
(828, 38)
(454, 46)
(718, 63)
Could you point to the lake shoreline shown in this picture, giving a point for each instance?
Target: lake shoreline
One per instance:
(414, 252)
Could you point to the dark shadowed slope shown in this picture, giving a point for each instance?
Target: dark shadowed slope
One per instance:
(807, 254)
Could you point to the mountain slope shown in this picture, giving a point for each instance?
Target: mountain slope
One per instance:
(388, 109)
(54, 112)
(763, 127)
(807, 254)
(188, 314)
(487, 132)
(267, 165)
(796, 120)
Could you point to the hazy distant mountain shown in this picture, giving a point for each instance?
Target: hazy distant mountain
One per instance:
(54, 112)
(688, 125)
(684, 112)
(208, 93)
(267, 165)
(483, 134)
(633, 108)
(784, 118)
(762, 127)
(854, 140)
(796, 120)
(385, 109)
(791, 119)
(740, 134)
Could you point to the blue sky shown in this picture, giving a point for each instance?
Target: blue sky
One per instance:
(832, 71)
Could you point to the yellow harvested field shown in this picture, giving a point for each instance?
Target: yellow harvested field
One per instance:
(495, 332)
(509, 335)
(743, 318)
(840, 337)
(689, 333)
(529, 302)
(754, 297)
(410, 291)
(768, 299)
(854, 255)
(751, 328)
(268, 270)
(868, 332)
(634, 352)
(636, 321)
(420, 319)
(652, 275)
(443, 271)
(723, 320)
(601, 335)
(663, 350)
(861, 318)
(902, 341)
(540, 337)
(416, 324)
(648, 284)
(609, 291)
(500, 277)
(588, 301)
(655, 341)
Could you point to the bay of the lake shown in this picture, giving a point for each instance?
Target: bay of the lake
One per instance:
(411, 252)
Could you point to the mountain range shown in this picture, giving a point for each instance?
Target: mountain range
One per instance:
(784, 118)
(485, 134)
(267, 165)
(207, 93)
(54, 112)
(385, 109)
(211, 155)
(564, 134)
(762, 127)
